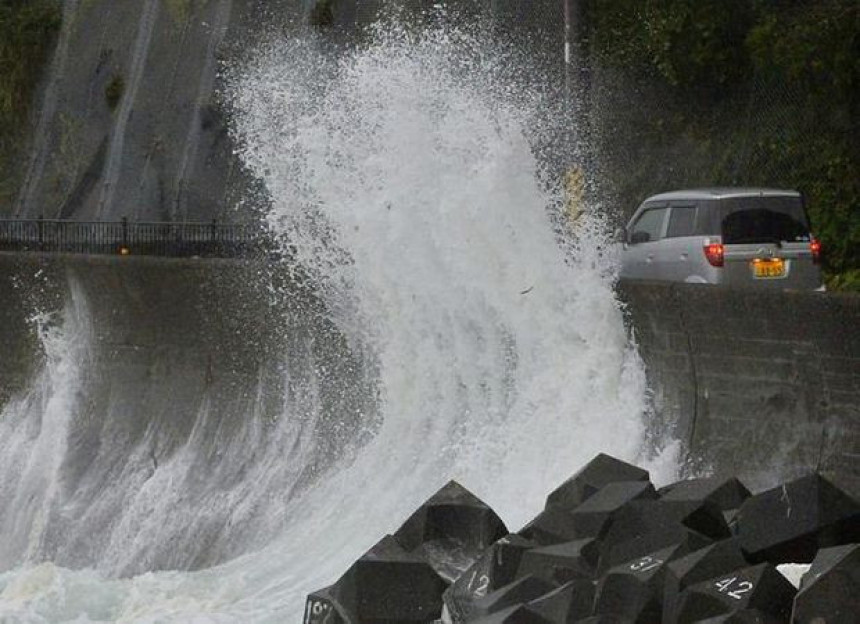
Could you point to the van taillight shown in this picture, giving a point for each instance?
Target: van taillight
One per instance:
(815, 248)
(715, 253)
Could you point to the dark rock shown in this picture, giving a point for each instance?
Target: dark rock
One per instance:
(551, 526)
(452, 513)
(519, 592)
(570, 602)
(702, 551)
(387, 584)
(634, 589)
(591, 518)
(788, 524)
(830, 591)
(731, 518)
(563, 562)
(724, 493)
(701, 565)
(555, 525)
(704, 517)
(451, 530)
(321, 608)
(642, 527)
(496, 568)
(599, 472)
(747, 616)
(757, 587)
(518, 614)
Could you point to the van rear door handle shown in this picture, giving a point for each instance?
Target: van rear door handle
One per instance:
(684, 256)
(649, 258)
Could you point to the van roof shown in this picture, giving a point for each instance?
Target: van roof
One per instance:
(722, 192)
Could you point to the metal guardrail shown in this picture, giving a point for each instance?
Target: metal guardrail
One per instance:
(212, 240)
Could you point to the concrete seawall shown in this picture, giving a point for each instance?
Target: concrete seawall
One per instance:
(176, 353)
(761, 384)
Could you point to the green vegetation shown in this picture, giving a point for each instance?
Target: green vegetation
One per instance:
(758, 92)
(27, 28)
(114, 90)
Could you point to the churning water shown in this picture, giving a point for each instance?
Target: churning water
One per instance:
(405, 173)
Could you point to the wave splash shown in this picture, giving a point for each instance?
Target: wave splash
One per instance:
(407, 175)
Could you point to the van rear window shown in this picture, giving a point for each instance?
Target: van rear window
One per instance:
(763, 220)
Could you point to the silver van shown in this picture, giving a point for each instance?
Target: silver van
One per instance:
(752, 237)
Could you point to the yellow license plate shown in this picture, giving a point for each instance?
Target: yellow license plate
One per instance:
(774, 267)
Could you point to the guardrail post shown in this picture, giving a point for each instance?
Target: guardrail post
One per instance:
(125, 232)
(41, 226)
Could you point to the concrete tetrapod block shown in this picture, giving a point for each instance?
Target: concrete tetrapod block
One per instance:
(634, 589)
(518, 614)
(386, 584)
(451, 530)
(789, 523)
(553, 525)
(642, 527)
(322, 608)
(591, 518)
(759, 587)
(599, 472)
(747, 616)
(495, 568)
(569, 603)
(563, 562)
(519, 592)
(701, 565)
(724, 493)
(830, 591)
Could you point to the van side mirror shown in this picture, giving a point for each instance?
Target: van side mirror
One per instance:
(620, 234)
(640, 237)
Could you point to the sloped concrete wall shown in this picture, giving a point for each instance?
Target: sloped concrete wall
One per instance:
(764, 385)
(175, 354)
(761, 384)
(168, 334)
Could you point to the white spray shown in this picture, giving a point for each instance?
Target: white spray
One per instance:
(405, 176)
(34, 427)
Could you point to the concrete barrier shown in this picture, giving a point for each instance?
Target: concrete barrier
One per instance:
(176, 353)
(764, 385)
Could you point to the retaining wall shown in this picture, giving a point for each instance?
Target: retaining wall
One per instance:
(176, 353)
(760, 384)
